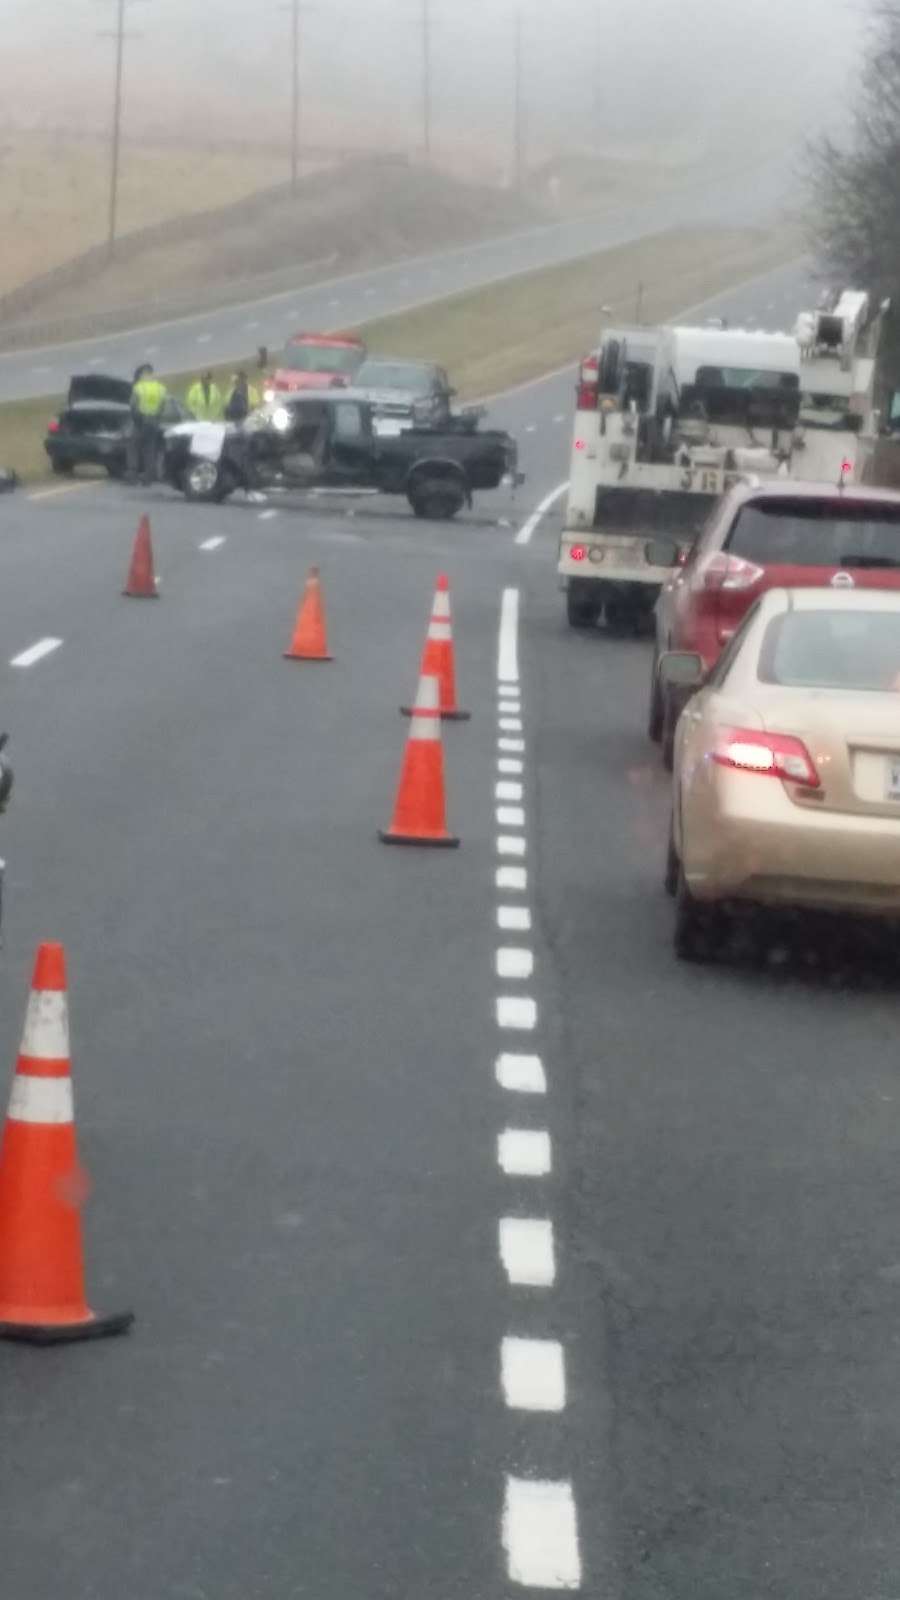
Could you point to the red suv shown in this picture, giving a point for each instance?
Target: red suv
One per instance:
(762, 536)
(318, 361)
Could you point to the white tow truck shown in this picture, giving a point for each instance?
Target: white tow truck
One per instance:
(667, 418)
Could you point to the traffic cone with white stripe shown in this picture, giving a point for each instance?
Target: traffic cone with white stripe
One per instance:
(419, 810)
(42, 1185)
(438, 657)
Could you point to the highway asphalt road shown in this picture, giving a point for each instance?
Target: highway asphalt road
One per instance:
(236, 331)
(316, 1181)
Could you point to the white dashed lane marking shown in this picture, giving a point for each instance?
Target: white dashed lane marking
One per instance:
(266, 516)
(524, 1153)
(527, 1251)
(508, 791)
(213, 544)
(517, 1012)
(35, 652)
(508, 644)
(540, 1534)
(510, 817)
(512, 961)
(509, 844)
(511, 744)
(521, 1074)
(510, 724)
(513, 919)
(509, 764)
(533, 1374)
(511, 878)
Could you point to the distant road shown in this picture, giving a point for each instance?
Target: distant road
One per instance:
(233, 332)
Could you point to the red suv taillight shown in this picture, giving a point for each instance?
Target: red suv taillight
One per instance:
(588, 384)
(722, 571)
(774, 755)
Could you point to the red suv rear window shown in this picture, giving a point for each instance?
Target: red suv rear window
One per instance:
(797, 532)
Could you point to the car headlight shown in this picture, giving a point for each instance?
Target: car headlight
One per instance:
(281, 419)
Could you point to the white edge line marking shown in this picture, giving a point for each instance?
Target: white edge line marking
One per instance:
(533, 1374)
(35, 652)
(516, 1011)
(511, 878)
(524, 1153)
(214, 543)
(514, 919)
(508, 643)
(540, 1534)
(513, 961)
(527, 1251)
(521, 1074)
(527, 529)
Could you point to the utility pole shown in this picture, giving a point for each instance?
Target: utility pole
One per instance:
(518, 138)
(426, 78)
(295, 93)
(119, 36)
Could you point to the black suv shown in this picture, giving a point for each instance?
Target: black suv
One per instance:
(94, 427)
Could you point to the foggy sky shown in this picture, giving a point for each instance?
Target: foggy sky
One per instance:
(649, 76)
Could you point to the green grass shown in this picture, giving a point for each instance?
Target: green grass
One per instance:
(493, 338)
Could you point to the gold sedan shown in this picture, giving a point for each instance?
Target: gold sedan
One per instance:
(786, 788)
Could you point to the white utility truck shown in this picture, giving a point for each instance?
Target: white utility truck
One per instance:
(665, 419)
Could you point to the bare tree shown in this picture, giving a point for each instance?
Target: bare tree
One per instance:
(855, 187)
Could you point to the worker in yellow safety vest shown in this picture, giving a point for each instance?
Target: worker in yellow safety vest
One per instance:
(148, 396)
(205, 399)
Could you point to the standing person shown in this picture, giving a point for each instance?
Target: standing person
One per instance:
(243, 398)
(205, 399)
(148, 396)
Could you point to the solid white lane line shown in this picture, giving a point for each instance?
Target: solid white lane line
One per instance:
(507, 791)
(510, 724)
(510, 764)
(514, 962)
(517, 745)
(540, 1534)
(527, 1251)
(511, 878)
(510, 817)
(213, 544)
(516, 1011)
(527, 529)
(514, 919)
(508, 646)
(524, 1153)
(35, 652)
(533, 1374)
(521, 1074)
(510, 844)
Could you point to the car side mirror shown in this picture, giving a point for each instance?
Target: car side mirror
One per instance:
(681, 669)
(662, 553)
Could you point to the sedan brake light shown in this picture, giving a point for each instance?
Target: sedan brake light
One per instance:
(53, 425)
(721, 571)
(775, 755)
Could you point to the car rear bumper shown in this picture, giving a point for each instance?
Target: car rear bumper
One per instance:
(87, 452)
(764, 849)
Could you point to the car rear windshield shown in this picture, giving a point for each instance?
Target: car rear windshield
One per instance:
(816, 533)
(649, 512)
(833, 650)
(394, 375)
(321, 357)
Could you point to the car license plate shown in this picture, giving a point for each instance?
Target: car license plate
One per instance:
(893, 779)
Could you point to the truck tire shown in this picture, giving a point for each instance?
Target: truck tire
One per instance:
(436, 499)
(582, 610)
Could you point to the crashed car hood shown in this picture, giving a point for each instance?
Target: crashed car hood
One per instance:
(99, 386)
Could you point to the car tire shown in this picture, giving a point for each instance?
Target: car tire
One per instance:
(581, 613)
(667, 732)
(200, 486)
(63, 469)
(698, 926)
(655, 713)
(437, 499)
(670, 881)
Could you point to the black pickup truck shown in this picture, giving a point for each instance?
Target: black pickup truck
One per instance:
(329, 440)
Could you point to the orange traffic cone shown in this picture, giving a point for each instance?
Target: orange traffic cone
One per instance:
(419, 810)
(42, 1186)
(141, 581)
(437, 656)
(310, 642)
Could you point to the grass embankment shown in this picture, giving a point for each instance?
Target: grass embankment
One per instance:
(493, 338)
